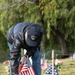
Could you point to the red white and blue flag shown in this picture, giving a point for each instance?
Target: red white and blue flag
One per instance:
(27, 70)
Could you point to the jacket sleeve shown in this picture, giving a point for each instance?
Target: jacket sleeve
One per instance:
(15, 55)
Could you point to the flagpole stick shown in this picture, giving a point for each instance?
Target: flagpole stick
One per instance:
(52, 62)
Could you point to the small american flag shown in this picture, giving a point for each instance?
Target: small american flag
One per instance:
(49, 70)
(27, 69)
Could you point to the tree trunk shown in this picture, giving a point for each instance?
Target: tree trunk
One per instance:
(62, 41)
(63, 45)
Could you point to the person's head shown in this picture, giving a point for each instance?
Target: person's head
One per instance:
(33, 35)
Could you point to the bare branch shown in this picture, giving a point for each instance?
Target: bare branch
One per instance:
(9, 5)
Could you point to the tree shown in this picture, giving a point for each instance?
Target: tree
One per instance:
(56, 16)
(59, 17)
(14, 12)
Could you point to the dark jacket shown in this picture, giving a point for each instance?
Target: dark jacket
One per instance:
(16, 36)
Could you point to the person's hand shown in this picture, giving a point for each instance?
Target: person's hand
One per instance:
(15, 74)
(21, 63)
(23, 59)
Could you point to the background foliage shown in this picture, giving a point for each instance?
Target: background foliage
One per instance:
(56, 16)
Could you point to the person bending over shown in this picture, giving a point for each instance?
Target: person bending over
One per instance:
(25, 35)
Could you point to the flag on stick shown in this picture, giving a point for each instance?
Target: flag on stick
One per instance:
(49, 70)
(27, 69)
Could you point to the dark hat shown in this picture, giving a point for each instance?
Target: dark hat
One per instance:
(33, 36)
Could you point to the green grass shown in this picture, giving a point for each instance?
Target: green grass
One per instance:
(68, 68)
(2, 69)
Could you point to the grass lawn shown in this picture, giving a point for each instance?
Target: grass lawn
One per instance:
(2, 70)
(68, 68)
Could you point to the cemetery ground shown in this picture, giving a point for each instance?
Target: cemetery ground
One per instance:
(67, 68)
